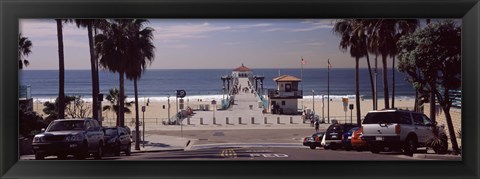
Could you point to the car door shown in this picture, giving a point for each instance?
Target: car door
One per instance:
(428, 127)
(98, 133)
(420, 128)
(123, 136)
(88, 134)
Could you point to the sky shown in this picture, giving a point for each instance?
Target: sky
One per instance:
(205, 44)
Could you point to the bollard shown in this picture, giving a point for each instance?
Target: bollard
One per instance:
(253, 120)
(201, 121)
(278, 120)
(265, 120)
(214, 121)
(291, 120)
(226, 119)
(239, 120)
(188, 120)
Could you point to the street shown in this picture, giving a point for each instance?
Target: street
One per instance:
(266, 153)
(252, 144)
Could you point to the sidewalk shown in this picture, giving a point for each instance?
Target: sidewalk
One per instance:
(157, 143)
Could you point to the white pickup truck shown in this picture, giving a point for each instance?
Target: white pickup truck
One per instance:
(400, 129)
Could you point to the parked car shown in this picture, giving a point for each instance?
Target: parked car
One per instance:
(347, 138)
(314, 140)
(63, 137)
(334, 135)
(357, 142)
(117, 139)
(399, 129)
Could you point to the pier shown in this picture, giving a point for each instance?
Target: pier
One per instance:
(243, 104)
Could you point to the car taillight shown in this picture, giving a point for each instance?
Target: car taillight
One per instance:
(397, 129)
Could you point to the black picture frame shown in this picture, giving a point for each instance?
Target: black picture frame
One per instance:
(11, 11)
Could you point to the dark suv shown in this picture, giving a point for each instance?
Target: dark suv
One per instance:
(117, 139)
(334, 135)
(63, 137)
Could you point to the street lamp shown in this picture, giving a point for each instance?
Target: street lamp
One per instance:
(313, 99)
(323, 107)
(168, 101)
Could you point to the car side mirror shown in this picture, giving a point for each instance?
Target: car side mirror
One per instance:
(43, 130)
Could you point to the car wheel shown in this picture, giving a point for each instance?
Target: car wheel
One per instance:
(348, 147)
(410, 146)
(443, 147)
(82, 154)
(129, 150)
(39, 156)
(62, 156)
(99, 153)
(374, 148)
(117, 150)
(312, 147)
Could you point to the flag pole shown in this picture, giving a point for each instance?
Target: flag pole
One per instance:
(328, 92)
(301, 83)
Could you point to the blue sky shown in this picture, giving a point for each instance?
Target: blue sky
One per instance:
(205, 44)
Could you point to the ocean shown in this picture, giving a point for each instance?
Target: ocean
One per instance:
(156, 84)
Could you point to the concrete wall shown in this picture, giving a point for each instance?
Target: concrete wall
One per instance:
(290, 107)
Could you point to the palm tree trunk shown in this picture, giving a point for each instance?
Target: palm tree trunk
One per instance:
(433, 116)
(371, 82)
(451, 130)
(137, 120)
(393, 82)
(357, 90)
(61, 72)
(96, 82)
(121, 106)
(376, 83)
(416, 107)
(385, 81)
(93, 69)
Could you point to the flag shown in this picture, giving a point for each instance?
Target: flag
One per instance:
(304, 61)
(329, 64)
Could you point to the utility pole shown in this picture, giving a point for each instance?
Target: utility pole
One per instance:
(168, 101)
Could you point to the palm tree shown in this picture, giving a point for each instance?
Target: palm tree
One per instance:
(403, 27)
(382, 36)
(113, 98)
(24, 49)
(61, 70)
(348, 31)
(141, 53)
(88, 23)
(112, 50)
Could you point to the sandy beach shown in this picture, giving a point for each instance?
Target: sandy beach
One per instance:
(157, 111)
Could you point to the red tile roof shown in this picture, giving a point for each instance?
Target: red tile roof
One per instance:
(242, 69)
(285, 78)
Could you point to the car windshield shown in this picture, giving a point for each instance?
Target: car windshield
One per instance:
(353, 130)
(381, 118)
(111, 132)
(320, 134)
(65, 126)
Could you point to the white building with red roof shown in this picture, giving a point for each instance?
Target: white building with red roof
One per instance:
(284, 98)
(242, 72)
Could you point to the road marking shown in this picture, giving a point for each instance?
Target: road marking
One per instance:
(253, 155)
(228, 153)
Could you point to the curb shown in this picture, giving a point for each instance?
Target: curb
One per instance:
(438, 157)
(156, 150)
